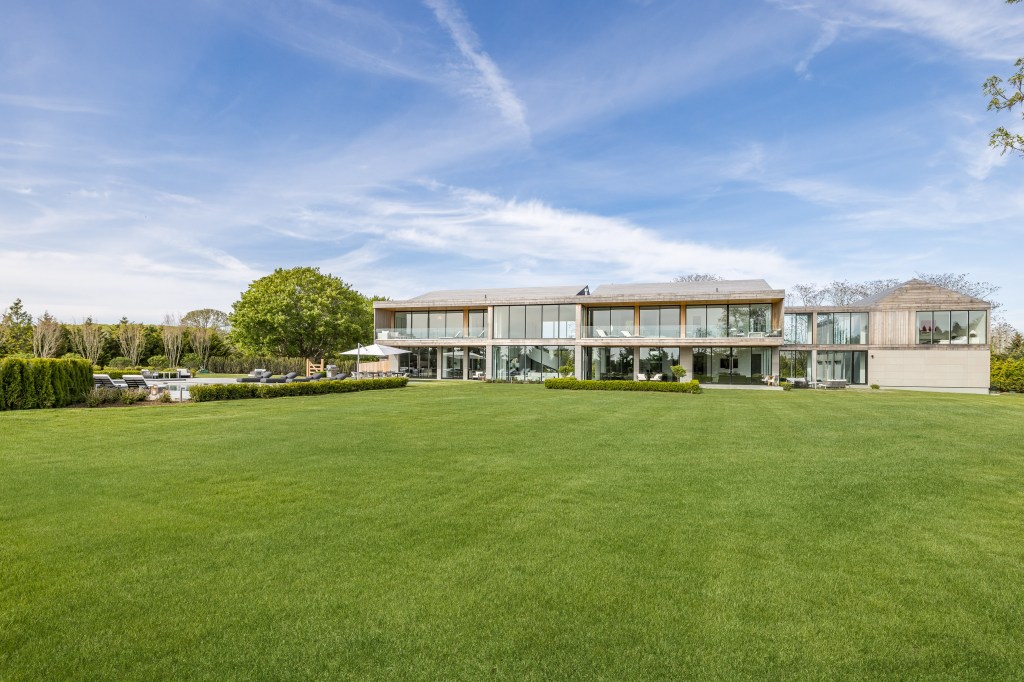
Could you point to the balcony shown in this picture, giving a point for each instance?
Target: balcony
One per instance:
(616, 332)
(407, 333)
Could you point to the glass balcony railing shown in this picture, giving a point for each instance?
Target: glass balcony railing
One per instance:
(664, 331)
(400, 333)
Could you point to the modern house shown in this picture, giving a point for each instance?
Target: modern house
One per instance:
(915, 335)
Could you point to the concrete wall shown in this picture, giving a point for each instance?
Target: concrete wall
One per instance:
(964, 369)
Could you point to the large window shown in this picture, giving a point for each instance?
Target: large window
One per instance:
(797, 328)
(419, 362)
(477, 324)
(428, 324)
(531, 363)
(452, 362)
(609, 363)
(535, 322)
(659, 322)
(731, 365)
(952, 327)
(795, 364)
(723, 321)
(655, 364)
(849, 365)
(606, 322)
(843, 328)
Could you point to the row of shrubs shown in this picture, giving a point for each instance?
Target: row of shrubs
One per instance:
(209, 392)
(34, 383)
(572, 384)
(112, 396)
(1007, 374)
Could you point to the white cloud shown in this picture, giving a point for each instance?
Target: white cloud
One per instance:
(490, 83)
(829, 33)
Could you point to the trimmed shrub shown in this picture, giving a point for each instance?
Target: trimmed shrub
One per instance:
(203, 393)
(43, 382)
(193, 362)
(786, 386)
(1007, 374)
(875, 387)
(119, 363)
(157, 362)
(571, 384)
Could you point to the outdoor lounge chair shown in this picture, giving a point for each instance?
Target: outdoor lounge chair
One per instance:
(315, 377)
(103, 381)
(135, 381)
(183, 373)
(256, 376)
(279, 380)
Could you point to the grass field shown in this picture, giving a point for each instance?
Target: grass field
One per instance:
(468, 531)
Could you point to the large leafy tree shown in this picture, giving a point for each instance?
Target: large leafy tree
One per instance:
(1005, 96)
(299, 312)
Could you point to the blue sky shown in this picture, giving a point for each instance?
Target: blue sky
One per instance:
(157, 157)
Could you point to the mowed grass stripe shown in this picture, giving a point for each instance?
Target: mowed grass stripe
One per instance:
(461, 530)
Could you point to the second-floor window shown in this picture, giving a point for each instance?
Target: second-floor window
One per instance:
(952, 326)
(797, 328)
(842, 328)
(722, 321)
(556, 321)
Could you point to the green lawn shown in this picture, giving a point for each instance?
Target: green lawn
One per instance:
(468, 531)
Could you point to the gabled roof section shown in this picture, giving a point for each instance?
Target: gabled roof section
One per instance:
(524, 293)
(921, 295)
(685, 289)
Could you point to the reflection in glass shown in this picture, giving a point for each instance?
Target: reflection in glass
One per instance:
(610, 363)
(940, 326)
(977, 328)
(422, 362)
(478, 324)
(797, 328)
(958, 326)
(655, 364)
(696, 321)
(795, 364)
(501, 322)
(452, 360)
(924, 327)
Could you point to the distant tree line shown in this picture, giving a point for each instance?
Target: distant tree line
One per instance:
(299, 312)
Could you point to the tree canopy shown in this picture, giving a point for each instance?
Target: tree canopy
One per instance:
(299, 312)
(1005, 96)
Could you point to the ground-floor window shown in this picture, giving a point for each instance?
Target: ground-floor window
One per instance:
(531, 363)
(731, 365)
(849, 365)
(655, 364)
(452, 360)
(609, 363)
(795, 364)
(419, 362)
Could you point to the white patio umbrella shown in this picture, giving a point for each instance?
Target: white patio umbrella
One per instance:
(374, 349)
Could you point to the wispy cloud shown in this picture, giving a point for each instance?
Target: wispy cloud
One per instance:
(50, 104)
(981, 30)
(490, 83)
(829, 33)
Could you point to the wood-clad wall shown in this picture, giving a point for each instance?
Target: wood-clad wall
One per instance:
(891, 327)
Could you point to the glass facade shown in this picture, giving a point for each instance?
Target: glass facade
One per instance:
(843, 328)
(610, 322)
(477, 324)
(795, 364)
(731, 365)
(655, 364)
(797, 328)
(724, 321)
(609, 363)
(452, 362)
(530, 363)
(426, 324)
(534, 321)
(419, 362)
(660, 322)
(849, 365)
(952, 327)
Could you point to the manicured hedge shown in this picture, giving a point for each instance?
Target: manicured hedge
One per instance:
(1008, 374)
(571, 384)
(43, 382)
(203, 393)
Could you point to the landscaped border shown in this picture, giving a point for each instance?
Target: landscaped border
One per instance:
(203, 393)
(571, 384)
(36, 383)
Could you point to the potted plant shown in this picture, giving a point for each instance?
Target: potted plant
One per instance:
(679, 371)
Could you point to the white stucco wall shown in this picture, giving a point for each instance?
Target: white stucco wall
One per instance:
(965, 369)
